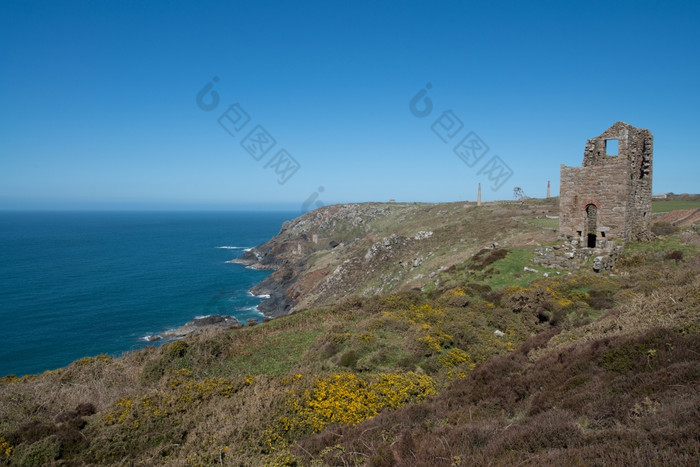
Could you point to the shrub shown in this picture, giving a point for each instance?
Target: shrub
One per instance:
(456, 297)
(662, 228)
(40, 453)
(476, 290)
(676, 255)
(5, 448)
(177, 349)
(600, 299)
(40, 443)
(408, 362)
(328, 349)
(347, 398)
(349, 359)
(485, 257)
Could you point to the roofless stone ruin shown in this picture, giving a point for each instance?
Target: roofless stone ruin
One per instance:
(609, 196)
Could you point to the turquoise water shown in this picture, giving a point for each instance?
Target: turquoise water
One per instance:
(77, 284)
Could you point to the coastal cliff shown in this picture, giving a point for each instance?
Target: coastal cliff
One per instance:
(372, 248)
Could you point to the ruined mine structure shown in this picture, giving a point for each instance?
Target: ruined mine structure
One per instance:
(609, 196)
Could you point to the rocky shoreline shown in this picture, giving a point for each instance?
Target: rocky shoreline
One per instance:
(336, 233)
(208, 322)
(274, 301)
(250, 263)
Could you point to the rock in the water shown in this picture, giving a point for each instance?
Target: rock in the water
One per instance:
(207, 322)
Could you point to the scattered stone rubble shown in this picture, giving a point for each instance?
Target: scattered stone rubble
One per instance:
(572, 253)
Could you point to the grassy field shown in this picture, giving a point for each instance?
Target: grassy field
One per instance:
(667, 205)
(546, 223)
(487, 366)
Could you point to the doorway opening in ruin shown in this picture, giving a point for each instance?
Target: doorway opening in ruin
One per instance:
(591, 224)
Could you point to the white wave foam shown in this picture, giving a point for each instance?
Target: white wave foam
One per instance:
(150, 338)
(228, 247)
(202, 316)
(253, 308)
(265, 295)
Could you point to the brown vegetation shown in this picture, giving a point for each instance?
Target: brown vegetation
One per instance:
(571, 369)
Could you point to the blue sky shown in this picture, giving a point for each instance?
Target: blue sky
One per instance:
(100, 110)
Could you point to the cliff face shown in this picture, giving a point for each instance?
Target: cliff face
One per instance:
(341, 250)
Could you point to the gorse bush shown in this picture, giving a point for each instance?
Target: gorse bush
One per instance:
(348, 398)
(5, 450)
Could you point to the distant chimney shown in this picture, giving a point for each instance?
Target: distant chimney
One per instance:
(478, 196)
(548, 192)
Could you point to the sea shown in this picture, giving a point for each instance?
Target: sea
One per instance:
(80, 284)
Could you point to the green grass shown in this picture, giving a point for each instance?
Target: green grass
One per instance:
(659, 245)
(274, 354)
(506, 271)
(661, 205)
(510, 269)
(545, 223)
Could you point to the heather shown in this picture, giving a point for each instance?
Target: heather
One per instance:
(489, 366)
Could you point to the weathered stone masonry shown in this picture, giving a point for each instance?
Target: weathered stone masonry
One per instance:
(610, 195)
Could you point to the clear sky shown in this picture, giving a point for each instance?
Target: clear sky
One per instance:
(99, 103)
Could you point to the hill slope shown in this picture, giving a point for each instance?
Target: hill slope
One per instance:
(477, 361)
(374, 248)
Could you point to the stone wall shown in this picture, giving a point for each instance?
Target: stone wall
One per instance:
(619, 186)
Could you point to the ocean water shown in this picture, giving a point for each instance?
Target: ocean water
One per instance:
(78, 284)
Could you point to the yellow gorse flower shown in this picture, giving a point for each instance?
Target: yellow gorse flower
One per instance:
(348, 398)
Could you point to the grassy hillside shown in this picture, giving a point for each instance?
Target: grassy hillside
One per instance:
(374, 248)
(673, 202)
(482, 363)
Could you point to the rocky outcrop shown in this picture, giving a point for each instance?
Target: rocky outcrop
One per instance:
(332, 229)
(196, 325)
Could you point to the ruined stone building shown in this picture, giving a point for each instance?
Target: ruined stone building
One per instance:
(609, 196)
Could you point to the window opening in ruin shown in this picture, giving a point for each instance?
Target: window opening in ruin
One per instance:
(591, 224)
(611, 147)
(602, 234)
